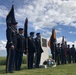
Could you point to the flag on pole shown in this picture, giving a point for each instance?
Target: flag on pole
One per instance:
(52, 43)
(26, 33)
(63, 41)
(26, 38)
(10, 18)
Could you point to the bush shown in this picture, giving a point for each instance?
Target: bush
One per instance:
(3, 60)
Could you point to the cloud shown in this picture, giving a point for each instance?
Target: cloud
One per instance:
(2, 45)
(48, 13)
(3, 11)
(71, 32)
(46, 34)
(44, 13)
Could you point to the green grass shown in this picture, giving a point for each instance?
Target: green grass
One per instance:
(68, 69)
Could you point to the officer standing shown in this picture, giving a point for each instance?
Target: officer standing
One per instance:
(58, 54)
(62, 54)
(65, 52)
(20, 49)
(39, 50)
(11, 35)
(73, 53)
(69, 54)
(31, 50)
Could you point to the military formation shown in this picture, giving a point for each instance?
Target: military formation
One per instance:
(18, 43)
(61, 53)
(65, 54)
(15, 49)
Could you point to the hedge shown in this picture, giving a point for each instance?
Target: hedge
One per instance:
(3, 60)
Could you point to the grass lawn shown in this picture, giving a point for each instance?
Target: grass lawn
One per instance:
(68, 69)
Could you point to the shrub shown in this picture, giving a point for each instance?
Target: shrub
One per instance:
(3, 60)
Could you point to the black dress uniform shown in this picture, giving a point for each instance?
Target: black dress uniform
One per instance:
(20, 50)
(69, 54)
(11, 35)
(39, 51)
(58, 49)
(73, 53)
(31, 51)
(62, 54)
(53, 47)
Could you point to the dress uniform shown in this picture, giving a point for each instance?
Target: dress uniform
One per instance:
(69, 54)
(20, 49)
(31, 50)
(62, 54)
(58, 54)
(73, 53)
(39, 50)
(65, 53)
(11, 35)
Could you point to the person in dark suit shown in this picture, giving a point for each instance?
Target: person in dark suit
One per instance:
(11, 35)
(58, 49)
(39, 50)
(65, 52)
(20, 49)
(69, 54)
(73, 53)
(31, 50)
(62, 54)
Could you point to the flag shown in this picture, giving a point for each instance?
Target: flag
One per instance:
(10, 18)
(52, 44)
(54, 33)
(26, 33)
(52, 38)
(63, 42)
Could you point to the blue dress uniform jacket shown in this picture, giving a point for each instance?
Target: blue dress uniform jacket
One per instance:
(38, 45)
(11, 35)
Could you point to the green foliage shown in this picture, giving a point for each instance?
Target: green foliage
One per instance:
(3, 60)
(24, 61)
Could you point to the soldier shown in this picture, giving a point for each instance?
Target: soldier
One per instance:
(20, 49)
(58, 54)
(62, 54)
(65, 52)
(11, 35)
(73, 53)
(69, 54)
(39, 50)
(31, 50)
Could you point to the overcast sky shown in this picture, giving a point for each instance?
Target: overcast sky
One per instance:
(43, 15)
